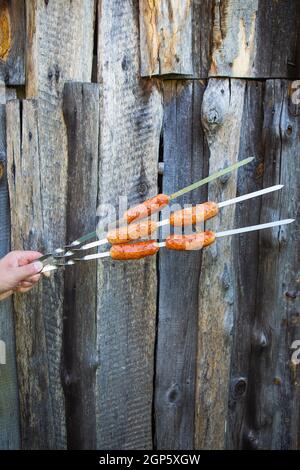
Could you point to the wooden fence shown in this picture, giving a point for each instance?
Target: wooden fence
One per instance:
(105, 98)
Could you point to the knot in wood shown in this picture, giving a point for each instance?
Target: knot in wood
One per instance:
(291, 295)
(224, 179)
(142, 188)
(212, 117)
(260, 340)
(239, 387)
(173, 393)
(251, 440)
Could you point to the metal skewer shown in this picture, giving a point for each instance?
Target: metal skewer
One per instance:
(77, 243)
(226, 233)
(229, 202)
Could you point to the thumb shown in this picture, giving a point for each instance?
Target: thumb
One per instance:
(23, 272)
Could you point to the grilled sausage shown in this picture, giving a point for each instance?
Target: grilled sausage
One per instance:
(134, 250)
(131, 232)
(194, 241)
(195, 214)
(151, 206)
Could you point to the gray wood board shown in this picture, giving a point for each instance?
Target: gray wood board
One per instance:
(245, 252)
(273, 394)
(81, 114)
(130, 125)
(9, 406)
(219, 38)
(185, 157)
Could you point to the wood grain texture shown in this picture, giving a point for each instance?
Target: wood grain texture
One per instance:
(273, 396)
(222, 110)
(220, 38)
(166, 37)
(60, 46)
(12, 42)
(81, 114)
(41, 401)
(255, 39)
(233, 47)
(9, 406)
(277, 44)
(131, 120)
(185, 159)
(245, 262)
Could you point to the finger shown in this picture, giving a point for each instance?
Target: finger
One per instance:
(22, 273)
(47, 274)
(22, 290)
(34, 278)
(25, 284)
(25, 257)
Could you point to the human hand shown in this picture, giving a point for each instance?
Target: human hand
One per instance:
(18, 272)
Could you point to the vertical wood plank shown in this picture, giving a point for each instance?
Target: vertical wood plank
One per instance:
(273, 403)
(234, 37)
(185, 161)
(60, 48)
(81, 114)
(245, 262)
(9, 408)
(12, 42)
(203, 21)
(131, 119)
(246, 35)
(166, 37)
(41, 404)
(222, 110)
(277, 44)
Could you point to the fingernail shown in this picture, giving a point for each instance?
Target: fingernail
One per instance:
(38, 266)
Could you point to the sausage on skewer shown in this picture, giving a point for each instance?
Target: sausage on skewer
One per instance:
(183, 217)
(139, 250)
(195, 241)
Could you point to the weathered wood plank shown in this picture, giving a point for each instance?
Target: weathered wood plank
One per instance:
(166, 37)
(245, 261)
(273, 402)
(131, 119)
(9, 409)
(185, 160)
(42, 411)
(233, 48)
(277, 44)
(12, 42)
(219, 38)
(222, 110)
(81, 114)
(250, 38)
(60, 48)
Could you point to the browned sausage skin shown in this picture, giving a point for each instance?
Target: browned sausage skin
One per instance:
(131, 232)
(145, 209)
(194, 241)
(134, 250)
(195, 214)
